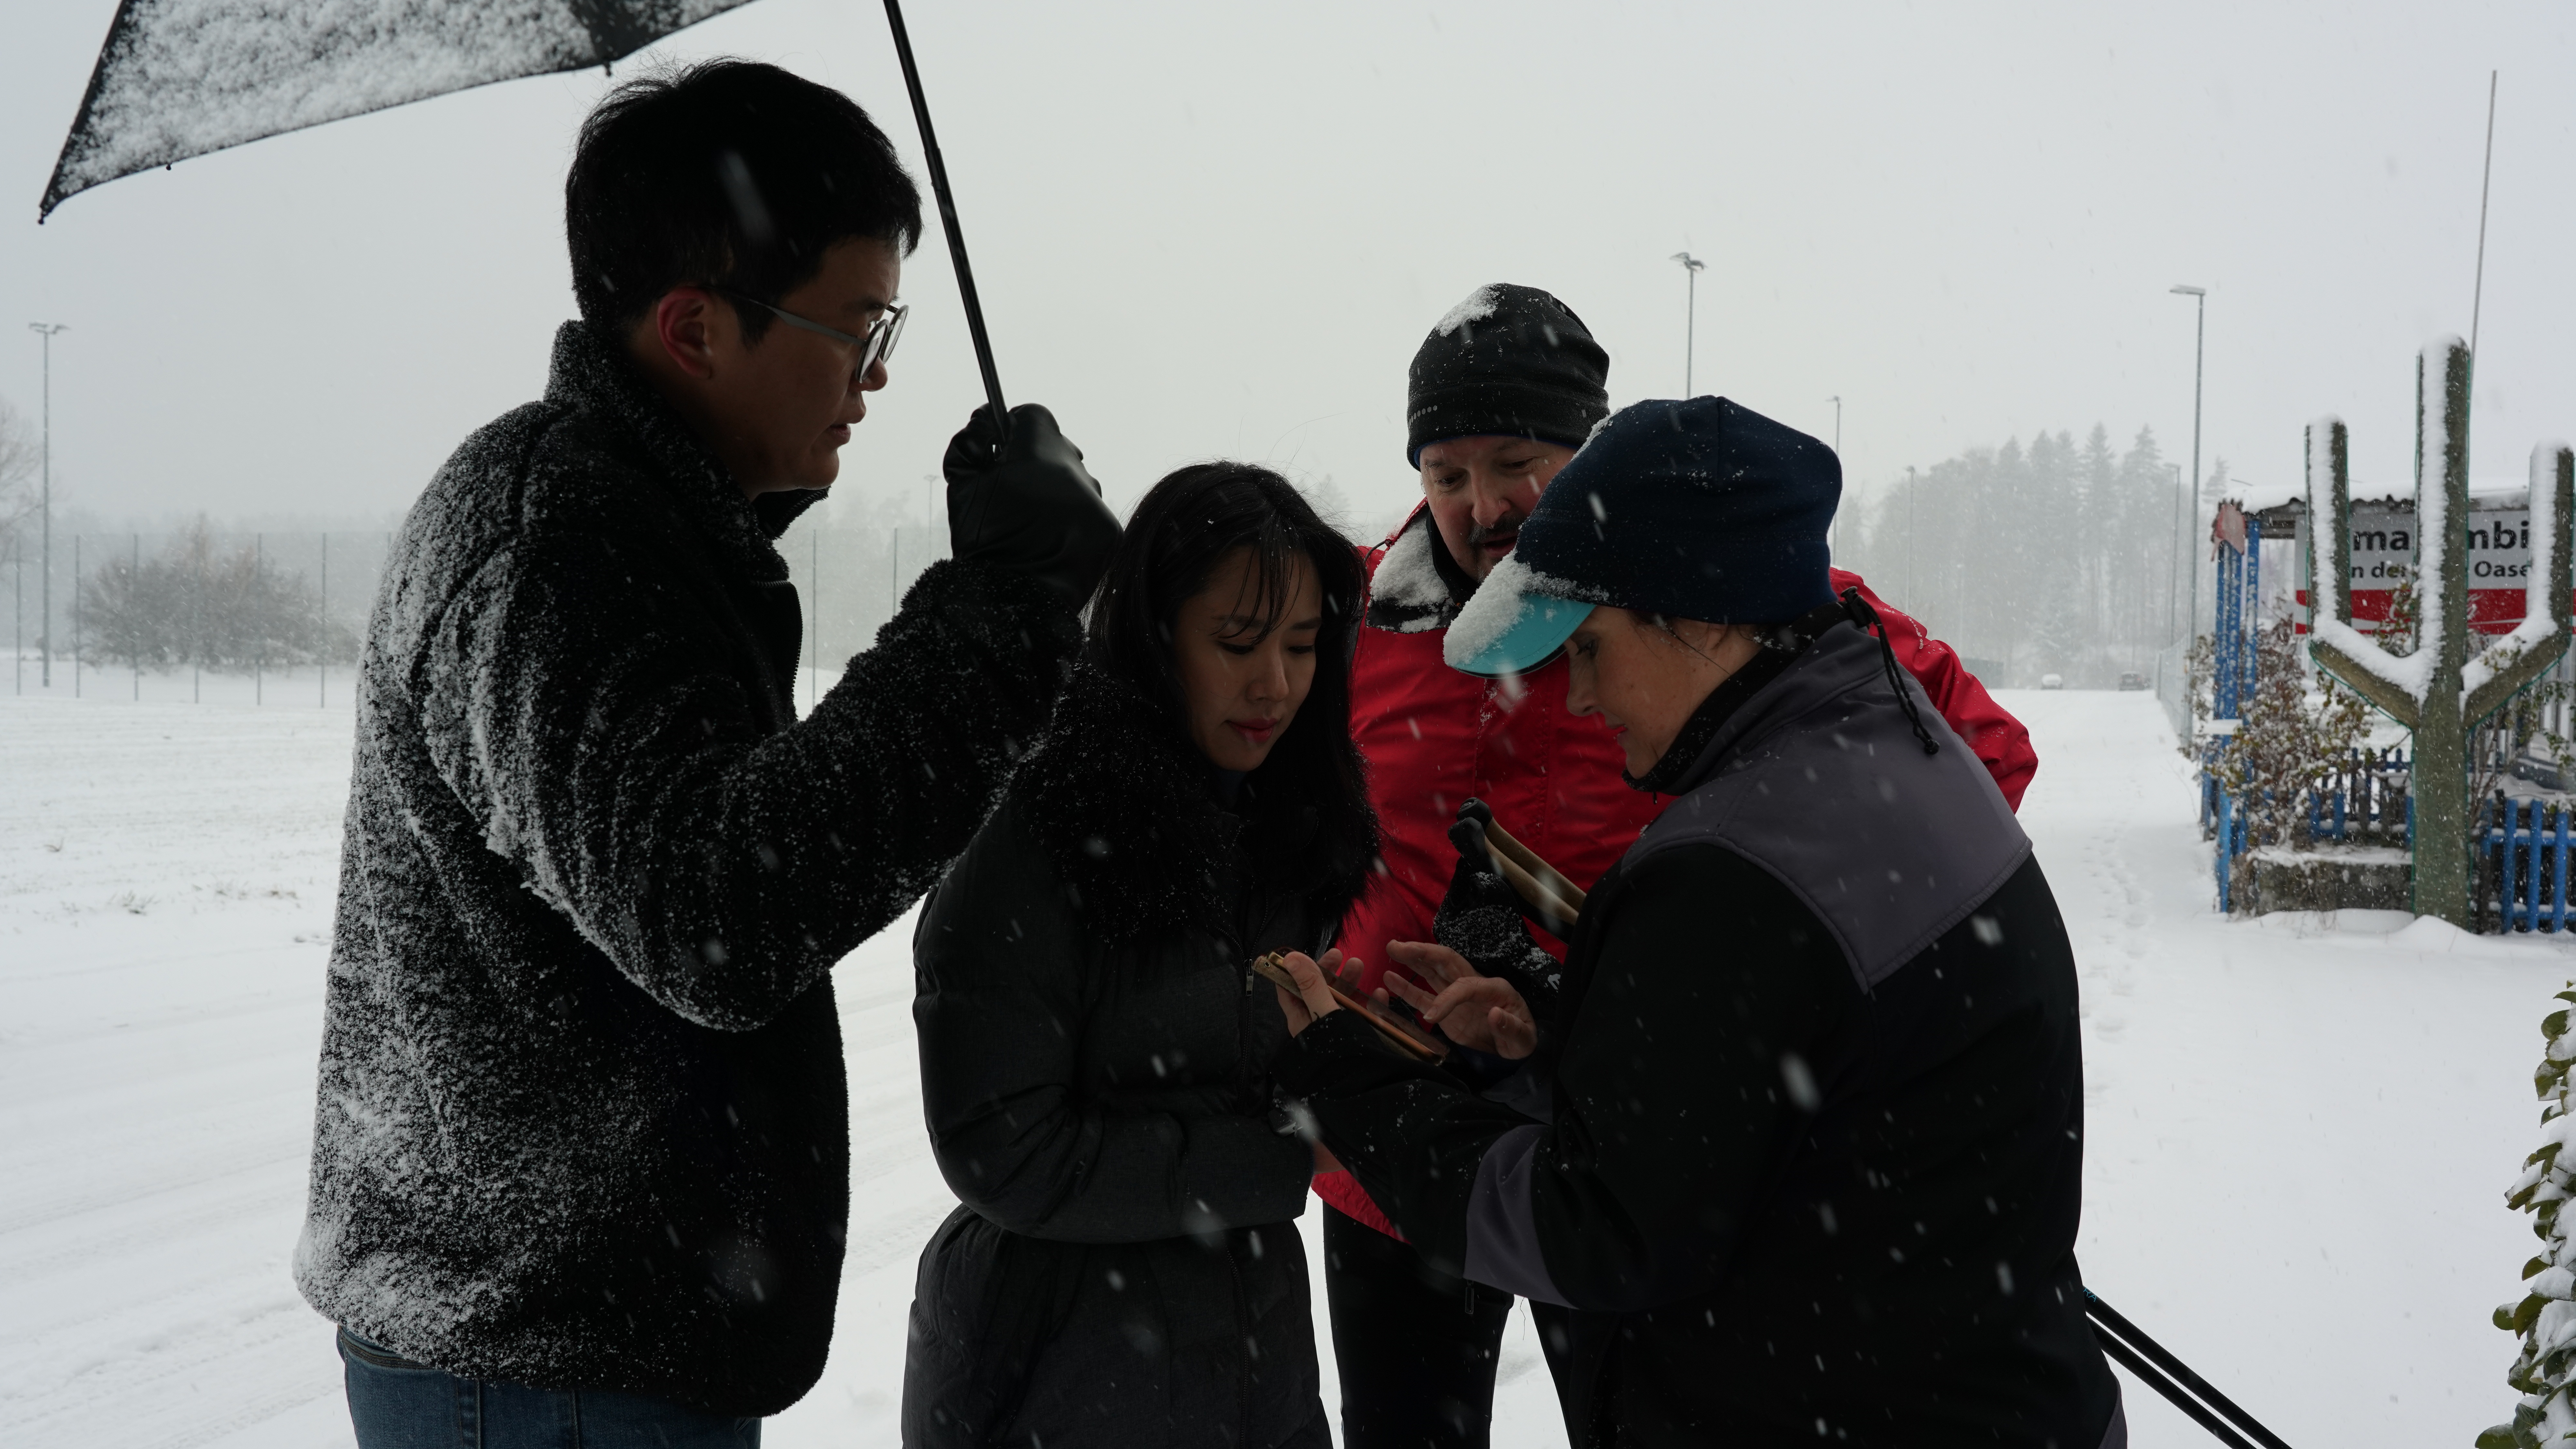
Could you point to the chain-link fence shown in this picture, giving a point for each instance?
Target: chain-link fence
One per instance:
(276, 619)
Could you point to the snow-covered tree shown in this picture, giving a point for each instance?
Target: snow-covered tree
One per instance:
(19, 455)
(2546, 1316)
(2052, 554)
(198, 603)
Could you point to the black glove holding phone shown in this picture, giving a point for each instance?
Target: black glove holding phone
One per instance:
(1028, 505)
(1483, 919)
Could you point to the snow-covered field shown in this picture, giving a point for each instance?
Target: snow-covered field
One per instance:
(2300, 1128)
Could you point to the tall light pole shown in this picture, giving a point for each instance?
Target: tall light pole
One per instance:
(1691, 267)
(45, 580)
(2173, 573)
(1837, 401)
(1910, 593)
(2199, 333)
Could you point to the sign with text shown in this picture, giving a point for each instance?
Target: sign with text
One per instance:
(2383, 554)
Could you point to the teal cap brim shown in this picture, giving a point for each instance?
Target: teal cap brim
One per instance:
(1534, 638)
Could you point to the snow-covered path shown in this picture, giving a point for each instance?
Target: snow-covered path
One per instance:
(2299, 1132)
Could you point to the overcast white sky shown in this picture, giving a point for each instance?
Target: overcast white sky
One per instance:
(1208, 229)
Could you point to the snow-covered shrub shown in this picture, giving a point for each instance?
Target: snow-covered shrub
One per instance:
(2546, 1316)
(2287, 743)
(197, 604)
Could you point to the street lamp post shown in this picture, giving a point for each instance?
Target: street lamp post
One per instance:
(45, 568)
(2199, 333)
(1833, 534)
(1691, 267)
(1910, 593)
(2173, 572)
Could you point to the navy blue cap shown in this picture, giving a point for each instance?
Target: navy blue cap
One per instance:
(1698, 509)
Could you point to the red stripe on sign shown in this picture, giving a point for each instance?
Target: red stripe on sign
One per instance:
(2491, 611)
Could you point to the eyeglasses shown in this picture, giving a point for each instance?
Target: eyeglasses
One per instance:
(875, 346)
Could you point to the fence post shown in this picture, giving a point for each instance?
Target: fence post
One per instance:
(2528, 842)
(2226, 839)
(2510, 812)
(2531, 870)
(2523, 882)
(2558, 876)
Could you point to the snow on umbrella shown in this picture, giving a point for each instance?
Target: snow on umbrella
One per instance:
(180, 78)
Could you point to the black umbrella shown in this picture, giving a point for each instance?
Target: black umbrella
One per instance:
(180, 78)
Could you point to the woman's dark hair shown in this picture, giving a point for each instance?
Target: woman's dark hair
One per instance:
(1182, 531)
(730, 173)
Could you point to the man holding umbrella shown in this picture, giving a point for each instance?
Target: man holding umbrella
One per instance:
(581, 1156)
(1502, 392)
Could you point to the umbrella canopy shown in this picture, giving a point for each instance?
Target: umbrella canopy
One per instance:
(180, 78)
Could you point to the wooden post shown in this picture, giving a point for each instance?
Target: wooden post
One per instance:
(2558, 875)
(2441, 736)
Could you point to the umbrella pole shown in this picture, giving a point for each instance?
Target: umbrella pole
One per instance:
(948, 218)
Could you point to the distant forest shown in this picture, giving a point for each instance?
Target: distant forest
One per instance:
(2055, 557)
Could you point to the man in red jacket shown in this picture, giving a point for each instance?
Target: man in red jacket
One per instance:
(1503, 391)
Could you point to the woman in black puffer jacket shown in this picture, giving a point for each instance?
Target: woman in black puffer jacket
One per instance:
(1095, 1051)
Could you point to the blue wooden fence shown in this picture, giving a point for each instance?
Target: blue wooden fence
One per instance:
(2523, 863)
(2364, 803)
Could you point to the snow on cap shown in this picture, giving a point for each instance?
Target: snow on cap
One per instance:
(1478, 306)
(1517, 621)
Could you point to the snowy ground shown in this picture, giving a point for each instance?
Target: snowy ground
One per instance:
(2301, 1128)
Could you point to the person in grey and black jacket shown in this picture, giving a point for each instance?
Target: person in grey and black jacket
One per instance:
(1805, 1160)
(581, 1149)
(1095, 1049)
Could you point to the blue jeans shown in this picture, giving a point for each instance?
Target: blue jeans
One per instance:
(397, 1404)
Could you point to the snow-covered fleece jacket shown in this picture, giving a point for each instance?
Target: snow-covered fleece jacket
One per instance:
(582, 1116)
(1814, 1159)
(1434, 737)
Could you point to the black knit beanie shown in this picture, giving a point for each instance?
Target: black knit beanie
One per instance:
(1509, 361)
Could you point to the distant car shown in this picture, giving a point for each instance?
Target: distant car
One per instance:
(2052, 681)
(2132, 679)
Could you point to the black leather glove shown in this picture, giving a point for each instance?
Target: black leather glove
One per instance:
(1481, 918)
(1029, 506)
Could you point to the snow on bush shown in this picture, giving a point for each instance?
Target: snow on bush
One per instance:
(2286, 746)
(2546, 1316)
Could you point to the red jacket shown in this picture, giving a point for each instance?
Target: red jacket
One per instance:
(1433, 737)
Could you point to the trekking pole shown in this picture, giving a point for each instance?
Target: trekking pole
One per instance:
(2158, 1369)
(948, 220)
